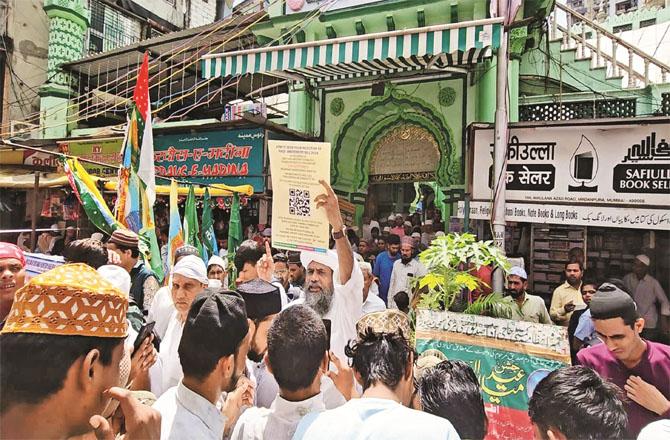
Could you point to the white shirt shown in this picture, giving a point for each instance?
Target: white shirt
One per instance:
(277, 422)
(400, 279)
(161, 310)
(649, 297)
(371, 418)
(373, 303)
(267, 388)
(168, 372)
(187, 415)
(345, 311)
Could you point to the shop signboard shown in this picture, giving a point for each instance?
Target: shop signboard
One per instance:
(231, 157)
(99, 150)
(508, 357)
(297, 6)
(582, 215)
(28, 157)
(616, 165)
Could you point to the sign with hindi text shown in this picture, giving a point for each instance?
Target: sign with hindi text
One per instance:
(231, 157)
(296, 168)
(624, 164)
(508, 357)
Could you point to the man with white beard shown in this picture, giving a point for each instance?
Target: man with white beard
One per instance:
(334, 282)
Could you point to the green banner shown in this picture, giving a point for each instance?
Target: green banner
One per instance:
(508, 357)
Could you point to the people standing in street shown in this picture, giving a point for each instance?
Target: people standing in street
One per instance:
(371, 300)
(403, 271)
(144, 284)
(588, 289)
(574, 403)
(525, 307)
(212, 351)
(297, 357)
(189, 279)
(641, 368)
(12, 275)
(60, 370)
(334, 285)
(652, 303)
(383, 362)
(384, 265)
(568, 295)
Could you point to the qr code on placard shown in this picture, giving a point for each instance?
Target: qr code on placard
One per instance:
(298, 202)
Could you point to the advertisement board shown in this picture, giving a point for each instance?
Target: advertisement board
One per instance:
(231, 157)
(508, 357)
(99, 150)
(624, 164)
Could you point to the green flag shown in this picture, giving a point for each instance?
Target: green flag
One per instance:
(208, 236)
(234, 226)
(191, 230)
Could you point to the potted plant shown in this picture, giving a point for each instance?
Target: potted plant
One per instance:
(449, 261)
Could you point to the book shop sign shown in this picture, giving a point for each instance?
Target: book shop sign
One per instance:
(231, 157)
(595, 164)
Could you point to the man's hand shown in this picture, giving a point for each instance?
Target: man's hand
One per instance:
(242, 395)
(646, 395)
(143, 358)
(266, 266)
(113, 258)
(328, 202)
(343, 378)
(569, 307)
(141, 421)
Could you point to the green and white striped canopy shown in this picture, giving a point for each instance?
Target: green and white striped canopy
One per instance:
(364, 55)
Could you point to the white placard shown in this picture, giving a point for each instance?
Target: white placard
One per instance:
(597, 164)
(607, 216)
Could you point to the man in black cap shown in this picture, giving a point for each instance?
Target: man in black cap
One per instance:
(639, 367)
(263, 303)
(212, 351)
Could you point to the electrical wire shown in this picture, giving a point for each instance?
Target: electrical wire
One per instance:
(156, 63)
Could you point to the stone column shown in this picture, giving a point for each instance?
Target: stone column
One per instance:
(68, 22)
(301, 109)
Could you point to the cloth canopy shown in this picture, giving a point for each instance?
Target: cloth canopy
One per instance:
(430, 47)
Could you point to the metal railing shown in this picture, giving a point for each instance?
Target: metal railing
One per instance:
(621, 58)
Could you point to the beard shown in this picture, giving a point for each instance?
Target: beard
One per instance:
(405, 260)
(320, 302)
(254, 355)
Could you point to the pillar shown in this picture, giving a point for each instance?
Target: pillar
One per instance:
(68, 22)
(300, 109)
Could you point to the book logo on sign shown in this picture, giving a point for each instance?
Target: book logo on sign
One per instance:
(584, 166)
(648, 177)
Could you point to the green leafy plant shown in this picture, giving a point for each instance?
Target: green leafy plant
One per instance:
(449, 260)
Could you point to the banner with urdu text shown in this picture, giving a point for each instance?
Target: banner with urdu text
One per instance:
(509, 358)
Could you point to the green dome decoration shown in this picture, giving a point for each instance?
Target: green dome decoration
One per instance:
(337, 106)
(447, 97)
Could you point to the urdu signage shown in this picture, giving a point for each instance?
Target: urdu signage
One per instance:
(602, 165)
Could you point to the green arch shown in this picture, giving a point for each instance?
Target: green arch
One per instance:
(376, 117)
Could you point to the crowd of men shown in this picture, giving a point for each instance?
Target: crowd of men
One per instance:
(307, 346)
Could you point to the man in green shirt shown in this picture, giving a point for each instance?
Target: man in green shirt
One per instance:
(525, 307)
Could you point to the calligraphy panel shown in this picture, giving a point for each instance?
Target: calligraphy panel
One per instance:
(509, 358)
(407, 150)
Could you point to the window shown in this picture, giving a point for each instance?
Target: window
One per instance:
(110, 28)
(647, 23)
(622, 28)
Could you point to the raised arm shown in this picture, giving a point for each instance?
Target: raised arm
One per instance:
(345, 255)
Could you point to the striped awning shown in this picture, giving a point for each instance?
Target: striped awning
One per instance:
(431, 47)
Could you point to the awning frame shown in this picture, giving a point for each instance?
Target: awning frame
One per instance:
(426, 48)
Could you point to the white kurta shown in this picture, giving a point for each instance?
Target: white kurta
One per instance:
(371, 418)
(185, 414)
(168, 372)
(400, 279)
(277, 422)
(345, 311)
